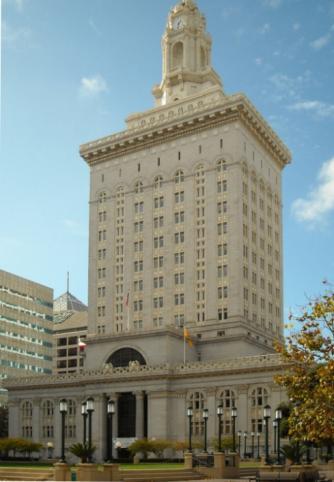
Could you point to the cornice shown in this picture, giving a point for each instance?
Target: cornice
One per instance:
(127, 336)
(162, 372)
(186, 117)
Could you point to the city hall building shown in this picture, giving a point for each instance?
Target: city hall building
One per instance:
(185, 230)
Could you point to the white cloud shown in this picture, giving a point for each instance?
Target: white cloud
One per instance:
(289, 87)
(15, 37)
(319, 201)
(296, 26)
(321, 109)
(321, 42)
(75, 228)
(272, 3)
(18, 4)
(265, 28)
(258, 61)
(93, 86)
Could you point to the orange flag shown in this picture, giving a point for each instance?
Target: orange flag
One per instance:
(187, 336)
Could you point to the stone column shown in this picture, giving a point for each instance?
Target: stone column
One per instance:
(57, 430)
(211, 406)
(98, 425)
(139, 414)
(14, 419)
(158, 414)
(36, 419)
(242, 404)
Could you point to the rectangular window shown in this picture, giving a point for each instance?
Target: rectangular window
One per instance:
(179, 217)
(179, 278)
(179, 238)
(179, 299)
(158, 262)
(158, 242)
(158, 302)
(179, 320)
(138, 285)
(158, 282)
(138, 266)
(179, 258)
(179, 197)
(222, 186)
(158, 222)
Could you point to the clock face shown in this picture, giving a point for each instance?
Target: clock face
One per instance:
(178, 23)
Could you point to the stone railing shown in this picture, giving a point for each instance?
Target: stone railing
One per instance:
(110, 373)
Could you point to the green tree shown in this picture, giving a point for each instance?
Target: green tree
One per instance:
(309, 377)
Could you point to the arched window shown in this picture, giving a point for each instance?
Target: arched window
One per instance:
(227, 399)
(70, 422)
(196, 402)
(26, 419)
(179, 176)
(221, 165)
(158, 182)
(102, 197)
(258, 399)
(123, 356)
(199, 170)
(47, 419)
(178, 55)
(139, 188)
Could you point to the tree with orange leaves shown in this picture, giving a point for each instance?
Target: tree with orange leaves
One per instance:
(309, 380)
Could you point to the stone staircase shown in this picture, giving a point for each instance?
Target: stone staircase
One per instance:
(26, 474)
(159, 475)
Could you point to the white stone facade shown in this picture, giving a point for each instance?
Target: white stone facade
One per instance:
(185, 229)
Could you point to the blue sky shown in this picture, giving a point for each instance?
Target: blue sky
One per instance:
(72, 70)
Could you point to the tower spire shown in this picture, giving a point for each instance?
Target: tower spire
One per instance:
(68, 282)
(186, 55)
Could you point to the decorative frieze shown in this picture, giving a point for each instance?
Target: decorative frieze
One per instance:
(195, 369)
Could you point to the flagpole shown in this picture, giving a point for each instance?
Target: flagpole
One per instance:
(128, 309)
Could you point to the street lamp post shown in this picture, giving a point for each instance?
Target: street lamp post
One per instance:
(90, 410)
(266, 416)
(63, 411)
(84, 416)
(239, 441)
(278, 415)
(234, 416)
(245, 444)
(190, 416)
(205, 418)
(220, 412)
(275, 435)
(253, 437)
(110, 414)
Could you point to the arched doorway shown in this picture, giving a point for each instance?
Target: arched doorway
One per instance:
(127, 409)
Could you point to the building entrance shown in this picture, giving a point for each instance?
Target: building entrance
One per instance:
(127, 415)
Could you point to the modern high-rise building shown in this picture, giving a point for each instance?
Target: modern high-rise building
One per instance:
(26, 323)
(185, 230)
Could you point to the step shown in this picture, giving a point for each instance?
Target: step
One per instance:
(165, 478)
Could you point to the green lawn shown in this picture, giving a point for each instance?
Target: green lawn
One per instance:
(26, 465)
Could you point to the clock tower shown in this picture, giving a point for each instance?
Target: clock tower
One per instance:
(186, 49)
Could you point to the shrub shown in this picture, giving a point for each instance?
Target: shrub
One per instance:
(82, 451)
